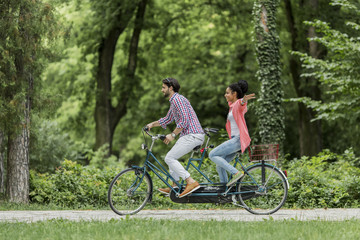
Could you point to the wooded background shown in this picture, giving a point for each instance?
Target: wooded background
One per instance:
(79, 79)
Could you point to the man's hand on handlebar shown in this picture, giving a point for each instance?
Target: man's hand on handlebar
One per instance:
(153, 124)
(168, 139)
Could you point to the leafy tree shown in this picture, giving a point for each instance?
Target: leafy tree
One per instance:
(26, 28)
(110, 19)
(338, 74)
(205, 46)
(310, 133)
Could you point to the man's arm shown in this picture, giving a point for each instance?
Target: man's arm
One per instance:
(162, 122)
(153, 124)
(170, 136)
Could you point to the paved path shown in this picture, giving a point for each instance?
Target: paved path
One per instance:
(236, 215)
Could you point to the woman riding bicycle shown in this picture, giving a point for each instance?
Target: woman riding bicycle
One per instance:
(237, 131)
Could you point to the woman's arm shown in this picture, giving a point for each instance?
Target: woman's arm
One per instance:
(246, 98)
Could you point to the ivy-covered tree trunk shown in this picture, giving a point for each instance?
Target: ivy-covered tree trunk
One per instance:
(269, 110)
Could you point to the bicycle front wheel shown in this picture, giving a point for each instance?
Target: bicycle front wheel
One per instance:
(264, 189)
(129, 191)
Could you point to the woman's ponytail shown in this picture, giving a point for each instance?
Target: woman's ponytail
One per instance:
(244, 87)
(240, 88)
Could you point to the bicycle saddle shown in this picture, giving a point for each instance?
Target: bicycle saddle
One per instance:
(197, 148)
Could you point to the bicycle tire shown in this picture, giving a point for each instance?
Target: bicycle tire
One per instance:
(263, 198)
(129, 191)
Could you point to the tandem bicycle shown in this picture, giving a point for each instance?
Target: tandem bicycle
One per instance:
(262, 189)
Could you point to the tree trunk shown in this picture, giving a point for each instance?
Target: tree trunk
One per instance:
(106, 116)
(269, 110)
(2, 169)
(103, 79)
(103, 107)
(130, 81)
(17, 181)
(310, 133)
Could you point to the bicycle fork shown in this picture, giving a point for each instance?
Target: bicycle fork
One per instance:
(140, 173)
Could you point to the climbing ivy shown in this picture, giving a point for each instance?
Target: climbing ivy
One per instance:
(269, 108)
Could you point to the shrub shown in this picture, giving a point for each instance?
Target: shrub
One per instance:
(328, 180)
(72, 185)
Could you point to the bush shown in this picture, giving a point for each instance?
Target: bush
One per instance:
(72, 185)
(76, 186)
(328, 180)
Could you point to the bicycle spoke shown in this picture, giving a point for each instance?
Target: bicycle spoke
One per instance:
(129, 192)
(264, 199)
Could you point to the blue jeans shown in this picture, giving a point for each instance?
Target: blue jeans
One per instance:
(223, 154)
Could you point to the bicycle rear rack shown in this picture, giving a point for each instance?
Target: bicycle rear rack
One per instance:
(265, 152)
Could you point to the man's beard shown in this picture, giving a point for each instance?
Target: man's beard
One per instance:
(167, 94)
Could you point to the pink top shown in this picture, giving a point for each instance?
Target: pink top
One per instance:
(238, 112)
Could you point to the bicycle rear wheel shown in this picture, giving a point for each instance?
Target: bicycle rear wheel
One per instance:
(129, 191)
(265, 189)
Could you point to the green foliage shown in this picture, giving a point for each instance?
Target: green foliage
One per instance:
(50, 146)
(100, 158)
(339, 73)
(72, 185)
(269, 102)
(198, 43)
(27, 30)
(328, 180)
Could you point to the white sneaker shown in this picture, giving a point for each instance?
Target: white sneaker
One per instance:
(235, 178)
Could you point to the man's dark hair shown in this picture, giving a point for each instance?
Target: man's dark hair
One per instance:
(172, 82)
(240, 88)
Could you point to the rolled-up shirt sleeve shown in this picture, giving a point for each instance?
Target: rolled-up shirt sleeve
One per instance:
(184, 113)
(169, 118)
(239, 107)
(242, 108)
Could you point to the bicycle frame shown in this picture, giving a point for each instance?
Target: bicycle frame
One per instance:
(160, 170)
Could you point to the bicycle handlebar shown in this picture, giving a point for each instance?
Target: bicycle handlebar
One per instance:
(158, 136)
(210, 130)
(162, 137)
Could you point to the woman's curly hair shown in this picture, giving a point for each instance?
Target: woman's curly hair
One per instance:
(241, 87)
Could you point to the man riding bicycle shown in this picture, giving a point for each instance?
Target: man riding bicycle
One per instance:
(189, 128)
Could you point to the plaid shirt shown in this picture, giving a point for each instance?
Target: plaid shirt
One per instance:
(184, 115)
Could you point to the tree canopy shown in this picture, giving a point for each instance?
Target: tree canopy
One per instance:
(103, 75)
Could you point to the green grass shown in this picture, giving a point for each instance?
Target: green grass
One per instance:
(174, 230)
(6, 206)
(159, 202)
